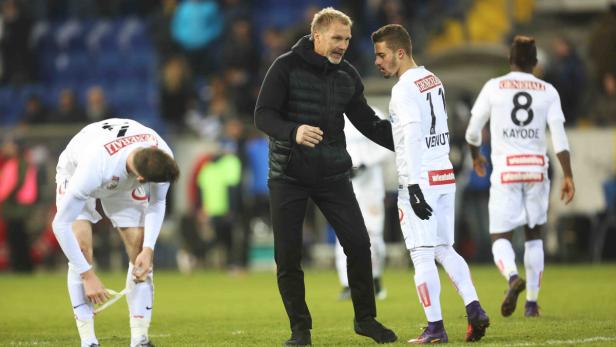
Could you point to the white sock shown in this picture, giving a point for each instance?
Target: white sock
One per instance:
(504, 257)
(534, 264)
(457, 269)
(139, 300)
(427, 282)
(377, 248)
(341, 265)
(82, 308)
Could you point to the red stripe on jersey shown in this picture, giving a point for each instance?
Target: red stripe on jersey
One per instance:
(424, 295)
(500, 265)
(400, 214)
(427, 83)
(439, 177)
(521, 177)
(525, 160)
(540, 278)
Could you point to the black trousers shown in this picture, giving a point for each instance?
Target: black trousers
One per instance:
(339, 206)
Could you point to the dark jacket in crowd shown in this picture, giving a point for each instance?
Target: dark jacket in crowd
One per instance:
(303, 87)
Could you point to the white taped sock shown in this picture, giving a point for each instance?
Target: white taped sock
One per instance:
(139, 300)
(82, 308)
(427, 282)
(534, 264)
(504, 257)
(457, 269)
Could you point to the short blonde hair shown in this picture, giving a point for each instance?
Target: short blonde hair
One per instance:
(327, 16)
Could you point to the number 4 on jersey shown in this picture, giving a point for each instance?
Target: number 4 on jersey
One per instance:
(121, 131)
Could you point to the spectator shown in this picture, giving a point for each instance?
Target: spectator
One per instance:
(218, 181)
(160, 29)
(567, 73)
(241, 63)
(17, 59)
(175, 93)
(68, 111)
(35, 111)
(96, 105)
(18, 190)
(195, 26)
(604, 113)
(603, 45)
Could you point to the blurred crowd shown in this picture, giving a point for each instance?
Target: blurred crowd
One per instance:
(193, 68)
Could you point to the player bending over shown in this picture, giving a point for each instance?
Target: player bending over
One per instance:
(129, 168)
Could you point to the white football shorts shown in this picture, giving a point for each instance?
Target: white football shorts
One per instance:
(436, 231)
(124, 208)
(518, 199)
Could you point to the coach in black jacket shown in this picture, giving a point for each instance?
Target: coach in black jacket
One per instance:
(301, 106)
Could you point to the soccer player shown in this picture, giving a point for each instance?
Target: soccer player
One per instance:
(129, 168)
(426, 190)
(367, 180)
(518, 106)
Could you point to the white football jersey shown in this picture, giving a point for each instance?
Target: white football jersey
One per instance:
(518, 105)
(100, 150)
(369, 183)
(419, 97)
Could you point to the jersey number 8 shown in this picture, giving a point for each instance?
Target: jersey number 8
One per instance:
(517, 106)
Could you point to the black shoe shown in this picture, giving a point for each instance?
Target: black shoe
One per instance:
(516, 287)
(299, 338)
(373, 329)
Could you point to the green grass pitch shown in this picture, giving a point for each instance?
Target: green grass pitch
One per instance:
(578, 307)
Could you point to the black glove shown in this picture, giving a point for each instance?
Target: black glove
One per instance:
(418, 203)
(357, 170)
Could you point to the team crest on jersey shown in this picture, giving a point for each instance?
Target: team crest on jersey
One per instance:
(115, 180)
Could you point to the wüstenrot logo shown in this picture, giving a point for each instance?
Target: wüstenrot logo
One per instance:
(525, 160)
(521, 177)
(439, 177)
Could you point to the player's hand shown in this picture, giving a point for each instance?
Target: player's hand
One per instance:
(308, 136)
(418, 203)
(567, 190)
(143, 264)
(479, 164)
(94, 288)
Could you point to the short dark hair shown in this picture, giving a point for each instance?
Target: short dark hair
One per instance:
(154, 165)
(523, 52)
(395, 37)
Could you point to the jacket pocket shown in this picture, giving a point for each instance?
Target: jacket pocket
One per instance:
(300, 168)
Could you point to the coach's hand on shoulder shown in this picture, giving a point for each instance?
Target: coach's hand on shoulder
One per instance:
(418, 203)
(143, 264)
(94, 288)
(479, 164)
(308, 136)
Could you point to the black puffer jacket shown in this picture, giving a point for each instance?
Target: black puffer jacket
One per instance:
(303, 87)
